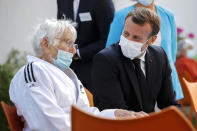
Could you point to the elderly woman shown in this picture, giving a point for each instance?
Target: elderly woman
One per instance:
(184, 62)
(44, 89)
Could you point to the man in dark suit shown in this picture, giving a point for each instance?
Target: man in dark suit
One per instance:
(133, 74)
(93, 18)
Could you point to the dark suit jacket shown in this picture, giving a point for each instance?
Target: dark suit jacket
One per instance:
(91, 35)
(115, 84)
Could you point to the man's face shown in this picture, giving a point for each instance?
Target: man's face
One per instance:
(137, 33)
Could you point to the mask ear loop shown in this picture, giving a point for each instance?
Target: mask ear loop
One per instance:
(148, 40)
(50, 56)
(146, 44)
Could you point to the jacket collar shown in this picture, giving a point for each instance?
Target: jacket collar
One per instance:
(129, 66)
(68, 72)
(149, 70)
(35, 59)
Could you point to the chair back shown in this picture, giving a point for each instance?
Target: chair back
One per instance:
(186, 100)
(167, 119)
(90, 97)
(192, 89)
(14, 121)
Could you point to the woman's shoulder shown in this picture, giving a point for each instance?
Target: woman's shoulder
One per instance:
(165, 11)
(124, 11)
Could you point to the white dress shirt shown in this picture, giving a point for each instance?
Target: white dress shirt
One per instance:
(75, 8)
(142, 63)
(142, 59)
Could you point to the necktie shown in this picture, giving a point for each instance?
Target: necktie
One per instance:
(138, 70)
(141, 80)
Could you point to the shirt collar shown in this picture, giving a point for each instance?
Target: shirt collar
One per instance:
(143, 57)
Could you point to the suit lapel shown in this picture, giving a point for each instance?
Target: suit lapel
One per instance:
(149, 70)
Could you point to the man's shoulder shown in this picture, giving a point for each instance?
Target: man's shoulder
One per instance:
(157, 52)
(154, 49)
(111, 51)
(111, 54)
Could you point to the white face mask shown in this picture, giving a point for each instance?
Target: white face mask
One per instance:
(145, 2)
(131, 49)
(191, 53)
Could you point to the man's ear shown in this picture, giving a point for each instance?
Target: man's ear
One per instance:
(152, 40)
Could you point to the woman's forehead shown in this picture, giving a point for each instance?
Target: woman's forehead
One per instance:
(67, 35)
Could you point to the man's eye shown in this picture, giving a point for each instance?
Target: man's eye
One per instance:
(138, 39)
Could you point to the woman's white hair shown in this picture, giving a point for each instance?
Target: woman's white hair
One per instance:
(50, 29)
(183, 45)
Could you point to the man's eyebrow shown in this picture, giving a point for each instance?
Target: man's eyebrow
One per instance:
(125, 31)
(136, 37)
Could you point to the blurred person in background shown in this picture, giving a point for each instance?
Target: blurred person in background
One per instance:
(185, 61)
(166, 38)
(44, 90)
(93, 18)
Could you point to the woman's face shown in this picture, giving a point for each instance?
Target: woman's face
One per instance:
(64, 42)
(184, 52)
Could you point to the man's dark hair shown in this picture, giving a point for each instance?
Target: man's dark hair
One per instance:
(142, 16)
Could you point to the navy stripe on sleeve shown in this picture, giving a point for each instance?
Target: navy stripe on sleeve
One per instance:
(25, 75)
(32, 73)
(28, 73)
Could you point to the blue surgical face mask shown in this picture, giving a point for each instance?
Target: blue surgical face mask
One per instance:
(145, 2)
(190, 53)
(64, 59)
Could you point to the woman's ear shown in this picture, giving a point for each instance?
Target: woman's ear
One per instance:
(45, 42)
(45, 45)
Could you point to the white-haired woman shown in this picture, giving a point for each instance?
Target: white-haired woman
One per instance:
(185, 62)
(44, 89)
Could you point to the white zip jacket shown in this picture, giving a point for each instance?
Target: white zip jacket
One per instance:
(43, 95)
